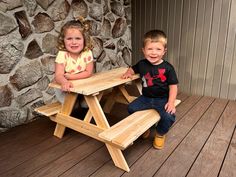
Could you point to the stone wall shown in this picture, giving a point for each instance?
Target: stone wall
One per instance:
(28, 35)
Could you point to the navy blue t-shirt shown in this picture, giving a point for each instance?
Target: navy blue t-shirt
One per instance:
(156, 78)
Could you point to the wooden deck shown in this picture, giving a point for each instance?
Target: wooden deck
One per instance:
(202, 143)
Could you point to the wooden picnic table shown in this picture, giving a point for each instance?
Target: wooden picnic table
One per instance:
(119, 136)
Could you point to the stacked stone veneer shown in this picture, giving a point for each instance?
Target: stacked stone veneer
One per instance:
(28, 35)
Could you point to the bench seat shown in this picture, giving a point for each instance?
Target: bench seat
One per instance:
(129, 129)
(49, 109)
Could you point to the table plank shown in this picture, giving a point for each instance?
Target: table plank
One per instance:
(79, 125)
(99, 81)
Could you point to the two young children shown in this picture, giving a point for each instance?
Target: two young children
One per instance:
(159, 80)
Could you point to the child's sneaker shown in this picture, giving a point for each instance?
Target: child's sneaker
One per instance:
(146, 134)
(159, 141)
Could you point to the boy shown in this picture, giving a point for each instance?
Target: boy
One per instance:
(159, 84)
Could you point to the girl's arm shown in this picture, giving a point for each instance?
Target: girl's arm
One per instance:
(84, 74)
(170, 105)
(60, 79)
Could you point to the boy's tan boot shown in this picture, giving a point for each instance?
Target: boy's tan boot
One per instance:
(159, 141)
(146, 134)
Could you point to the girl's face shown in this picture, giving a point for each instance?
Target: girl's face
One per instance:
(154, 52)
(74, 41)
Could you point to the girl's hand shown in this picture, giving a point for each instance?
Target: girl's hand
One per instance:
(170, 108)
(67, 76)
(66, 86)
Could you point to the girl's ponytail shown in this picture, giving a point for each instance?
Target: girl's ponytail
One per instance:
(84, 22)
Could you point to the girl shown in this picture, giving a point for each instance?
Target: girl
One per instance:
(74, 59)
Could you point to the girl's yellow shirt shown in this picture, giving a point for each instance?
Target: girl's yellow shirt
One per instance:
(74, 66)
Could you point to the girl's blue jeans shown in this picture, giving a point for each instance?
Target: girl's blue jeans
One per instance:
(143, 103)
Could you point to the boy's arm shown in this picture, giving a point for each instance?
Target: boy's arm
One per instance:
(170, 106)
(82, 75)
(172, 93)
(128, 74)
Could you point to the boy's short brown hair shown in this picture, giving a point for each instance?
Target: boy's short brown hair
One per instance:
(155, 36)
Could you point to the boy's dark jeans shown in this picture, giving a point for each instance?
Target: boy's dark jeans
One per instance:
(143, 103)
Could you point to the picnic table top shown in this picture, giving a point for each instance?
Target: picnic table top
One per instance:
(99, 81)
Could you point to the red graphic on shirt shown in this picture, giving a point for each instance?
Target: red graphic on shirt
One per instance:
(161, 75)
(150, 78)
(85, 59)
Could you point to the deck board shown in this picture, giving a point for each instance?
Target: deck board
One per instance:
(88, 165)
(230, 162)
(72, 157)
(212, 155)
(46, 157)
(200, 143)
(184, 155)
(29, 153)
(132, 154)
(21, 133)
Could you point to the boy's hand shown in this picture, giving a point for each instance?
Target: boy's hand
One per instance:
(128, 74)
(170, 108)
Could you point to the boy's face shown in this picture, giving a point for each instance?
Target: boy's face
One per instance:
(154, 51)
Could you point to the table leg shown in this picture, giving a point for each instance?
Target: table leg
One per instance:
(101, 121)
(118, 94)
(67, 107)
(89, 115)
(96, 110)
(126, 94)
(139, 85)
(110, 101)
(118, 157)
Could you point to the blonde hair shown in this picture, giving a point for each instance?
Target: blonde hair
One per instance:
(83, 27)
(155, 36)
